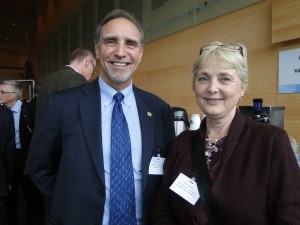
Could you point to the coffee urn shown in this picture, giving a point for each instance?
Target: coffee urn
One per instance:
(180, 120)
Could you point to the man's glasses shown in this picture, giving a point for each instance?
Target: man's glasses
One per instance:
(232, 47)
(6, 92)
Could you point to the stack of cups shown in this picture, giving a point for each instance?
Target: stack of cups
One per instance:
(195, 121)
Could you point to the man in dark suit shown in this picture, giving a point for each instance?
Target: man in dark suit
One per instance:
(11, 98)
(7, 158)
(71, 147)
(80, 69)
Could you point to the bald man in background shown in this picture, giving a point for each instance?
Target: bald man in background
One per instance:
(79, 71)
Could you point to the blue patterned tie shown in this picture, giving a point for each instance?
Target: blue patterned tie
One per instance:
(122, 193)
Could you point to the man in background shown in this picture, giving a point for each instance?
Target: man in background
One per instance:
(71, 151)
(11, 98)
(7, 158)
(79, 71)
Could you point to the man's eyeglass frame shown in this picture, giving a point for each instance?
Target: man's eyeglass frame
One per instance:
(6, 92)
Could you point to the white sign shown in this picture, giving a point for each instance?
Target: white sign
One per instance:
(289, 71)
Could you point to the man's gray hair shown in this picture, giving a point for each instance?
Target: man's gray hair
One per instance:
(15, 87)
(119, 13)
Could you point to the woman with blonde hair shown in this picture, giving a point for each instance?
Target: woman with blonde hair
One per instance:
(244, 171)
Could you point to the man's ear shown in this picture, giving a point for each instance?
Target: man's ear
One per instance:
(141, 55)
(97, 51)
(86, 63)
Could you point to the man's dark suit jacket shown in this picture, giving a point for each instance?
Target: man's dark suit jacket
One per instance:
(25, 127)
(7, 149)
(67, 159)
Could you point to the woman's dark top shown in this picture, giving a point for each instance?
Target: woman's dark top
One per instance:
(255, 179)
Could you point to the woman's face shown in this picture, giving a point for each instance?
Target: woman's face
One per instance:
(217, 90)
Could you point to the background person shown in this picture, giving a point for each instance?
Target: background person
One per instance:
(252, 168)
(71, 148)
(79, 71)
(11, 98)
(7, 159)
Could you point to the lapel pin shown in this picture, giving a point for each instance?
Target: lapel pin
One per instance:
(149, 114)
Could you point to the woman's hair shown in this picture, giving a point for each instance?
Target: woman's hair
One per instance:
(119, 13)
(230, 56)
(14, 86)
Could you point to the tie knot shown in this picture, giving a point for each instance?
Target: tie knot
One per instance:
(118, 97)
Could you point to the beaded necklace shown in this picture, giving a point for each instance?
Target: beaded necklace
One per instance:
(209, 149)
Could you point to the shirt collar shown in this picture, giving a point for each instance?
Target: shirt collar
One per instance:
(17, 106)
(107, 93)
(73, 68)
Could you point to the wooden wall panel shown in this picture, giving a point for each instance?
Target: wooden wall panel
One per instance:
(166, 69)
(285, 20)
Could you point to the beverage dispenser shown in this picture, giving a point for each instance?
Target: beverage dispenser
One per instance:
(180, 120)
(264, 114)
(269, 114)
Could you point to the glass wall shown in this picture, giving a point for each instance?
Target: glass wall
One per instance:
(159, 18)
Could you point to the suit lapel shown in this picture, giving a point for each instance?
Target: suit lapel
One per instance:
(147, 132)
(89, 106)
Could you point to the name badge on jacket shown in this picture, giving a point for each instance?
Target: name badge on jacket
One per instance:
(156, 165)
(186, 188)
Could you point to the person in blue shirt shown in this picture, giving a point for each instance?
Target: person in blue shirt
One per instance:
(11, 98)
(71, 148)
